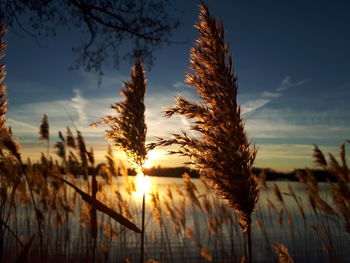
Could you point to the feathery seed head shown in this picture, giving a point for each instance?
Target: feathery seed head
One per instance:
(222, 153)
(319, 158)
(70, 139)
(82, 153)
(282, 254)
(44, 128)
(10, 143)
(128, 128)
(3, 91)
(61, 149)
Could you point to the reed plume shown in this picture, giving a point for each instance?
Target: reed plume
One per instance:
(282, 254)
(205, 254)
(127, 129)
(11, 144)
(112, 166)
(340, 190)
(45, 132)
(3, 91)
(6, 136)
(60, 149)
(44, 128)
(70, 139)
(222, 154)
(83, 154)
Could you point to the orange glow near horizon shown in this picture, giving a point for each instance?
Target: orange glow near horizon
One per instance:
(152, 157)
(278, 157)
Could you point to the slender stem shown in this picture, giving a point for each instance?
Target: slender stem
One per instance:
(48, 149)
(249, 235)
(143, 229)
(94, 251)
(2, 223)
(35, 208)
(93, 214)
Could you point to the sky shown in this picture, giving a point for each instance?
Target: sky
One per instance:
(292, 60)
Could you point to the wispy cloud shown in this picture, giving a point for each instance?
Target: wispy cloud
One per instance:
(79, 104)
(278, 126)
(179, 84)
(253, 105)
(286, 83)
(267, 96)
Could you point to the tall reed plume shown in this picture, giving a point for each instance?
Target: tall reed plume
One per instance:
(340, 190)
(45, 132)
(6, 137)
(127, 130)
(282, 254)
(3, 92)
(223, 153)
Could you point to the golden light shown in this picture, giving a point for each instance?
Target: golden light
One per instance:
(152, 156)
(143, 185)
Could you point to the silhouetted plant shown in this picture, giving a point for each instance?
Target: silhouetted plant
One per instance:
(127, 129)
(3, 91)
(340, 190)
(282, 254)
(45, 132)
(222, 153)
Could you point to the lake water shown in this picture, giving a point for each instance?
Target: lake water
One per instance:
(201, 225)
(307, 240)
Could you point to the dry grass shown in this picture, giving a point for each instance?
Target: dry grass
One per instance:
(282, 253)
(222, 154)
(127, 129)
(340, 190)
(176, 215)
(44, 128)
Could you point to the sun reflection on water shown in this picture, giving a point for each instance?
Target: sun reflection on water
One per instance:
(143, 186)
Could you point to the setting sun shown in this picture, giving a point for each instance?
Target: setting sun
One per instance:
(152, 156)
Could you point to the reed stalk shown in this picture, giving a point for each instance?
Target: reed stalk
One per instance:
(45, 134)
(221, 151)
(127, 129)
(6, 137)
(3, 110)
(3, 90)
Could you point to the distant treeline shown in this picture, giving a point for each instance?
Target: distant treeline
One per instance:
(271, 175)
(171, 172)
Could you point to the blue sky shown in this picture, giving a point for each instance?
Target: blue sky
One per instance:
(292, 59)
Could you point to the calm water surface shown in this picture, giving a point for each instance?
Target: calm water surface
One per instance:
(307, 239)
